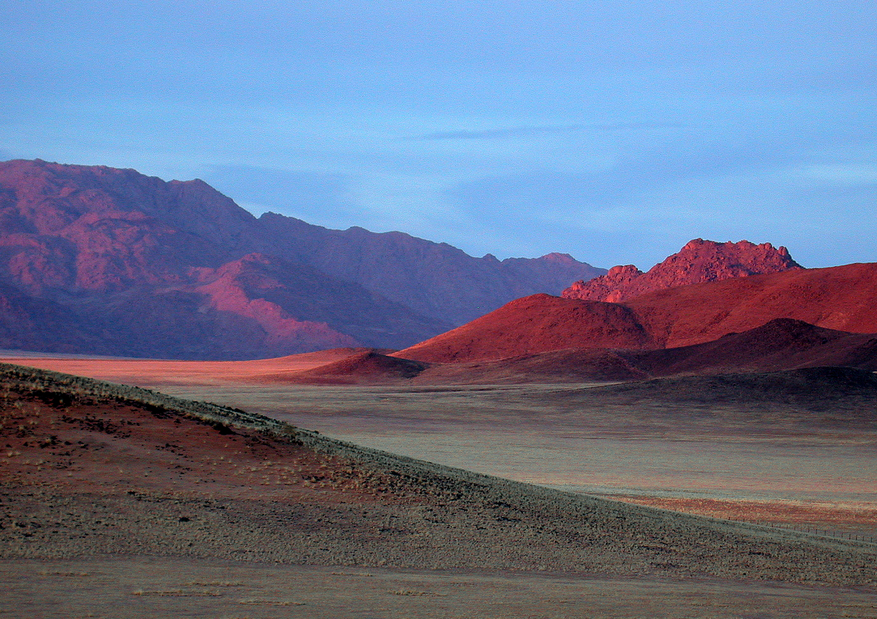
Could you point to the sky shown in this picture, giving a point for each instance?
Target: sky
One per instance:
(612, 131)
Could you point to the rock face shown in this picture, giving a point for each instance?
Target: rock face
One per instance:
(108, 261)
(698, 262)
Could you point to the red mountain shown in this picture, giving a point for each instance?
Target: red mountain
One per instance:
(698, 262)
(838, 298)
(782, 344)
(102, 260)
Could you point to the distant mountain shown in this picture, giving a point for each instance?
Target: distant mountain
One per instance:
(698, 262)
(837, 298)
(103, 260)
(435, 279)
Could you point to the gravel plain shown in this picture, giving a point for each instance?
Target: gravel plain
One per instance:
(94, 473)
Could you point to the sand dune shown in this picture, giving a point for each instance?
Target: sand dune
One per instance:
(780, 344)
(158, 371)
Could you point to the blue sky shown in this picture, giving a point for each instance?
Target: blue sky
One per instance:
(613, 131)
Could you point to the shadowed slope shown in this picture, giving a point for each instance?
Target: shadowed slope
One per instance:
(435, 279)
(368, 366)
(781, 344)
(97, 470)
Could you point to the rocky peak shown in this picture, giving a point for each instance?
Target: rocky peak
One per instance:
(699, 261)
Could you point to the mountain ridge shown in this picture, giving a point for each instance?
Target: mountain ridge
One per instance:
(84, 249)
(837, 298)
(698, 262)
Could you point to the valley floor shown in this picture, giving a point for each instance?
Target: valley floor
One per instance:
(763, 462)
(123, 587)
(157, 513)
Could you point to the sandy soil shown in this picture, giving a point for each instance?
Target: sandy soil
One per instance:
(151, 586)
(174, 497)
(749, 452)
(146, 372)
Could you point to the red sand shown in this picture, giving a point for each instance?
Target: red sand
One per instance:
(169, 372)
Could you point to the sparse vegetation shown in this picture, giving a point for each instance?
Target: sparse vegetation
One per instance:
(253, 495)
(62, 390)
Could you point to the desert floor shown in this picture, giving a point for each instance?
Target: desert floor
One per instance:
(805, 462)
(779, 460)
(154, 587)
(776, 464)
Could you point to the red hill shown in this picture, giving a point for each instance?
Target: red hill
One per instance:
(782, 344)
(534, 324)
(698, 262)
(369, 366)
(838, 298)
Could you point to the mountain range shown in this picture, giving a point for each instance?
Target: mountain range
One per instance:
(105, 261)
(791, 319)
(108, 261)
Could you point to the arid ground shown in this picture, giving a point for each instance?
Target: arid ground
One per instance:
(213, 522)
(784, 451)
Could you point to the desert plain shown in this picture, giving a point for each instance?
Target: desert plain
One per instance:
(777, 472)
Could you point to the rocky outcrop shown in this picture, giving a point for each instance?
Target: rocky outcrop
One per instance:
(698, 262)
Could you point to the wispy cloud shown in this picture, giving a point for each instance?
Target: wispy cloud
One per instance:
(843, 174)
(506, 133)
(497, 134)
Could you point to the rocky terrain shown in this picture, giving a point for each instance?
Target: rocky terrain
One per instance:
(92, 468)
(110, 261)
(836, 298)
(698, 262)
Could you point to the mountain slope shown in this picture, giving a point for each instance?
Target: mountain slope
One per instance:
(435, 279)
(109, 261)
(698, 262)
(781, 344)
(837, 298)
(534, 324)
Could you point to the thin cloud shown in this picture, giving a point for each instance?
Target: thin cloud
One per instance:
(496, 134)
(519, 132)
